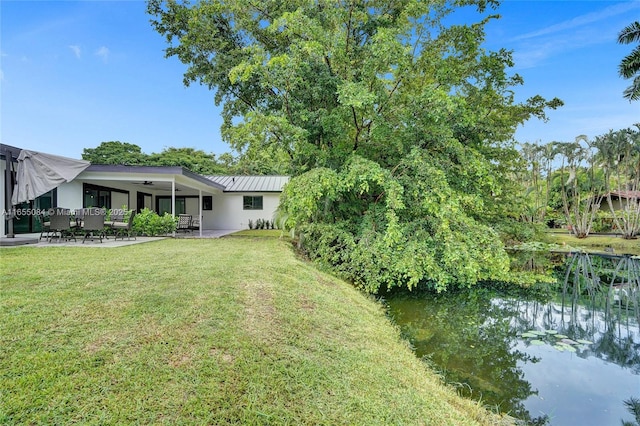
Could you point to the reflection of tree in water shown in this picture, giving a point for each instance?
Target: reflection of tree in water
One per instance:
(467, 333)
(601, 304)
(472, 336)
(633, 406)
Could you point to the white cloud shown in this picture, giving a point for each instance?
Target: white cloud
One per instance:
(103, 53)
(591, 29)
(533, 52)
(76, 50)
(585, 19)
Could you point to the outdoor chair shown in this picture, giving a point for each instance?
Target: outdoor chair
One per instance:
(45, 226)
(115, 217)
(60, 225)
(122, 228)
(79, 216)
(184, 223)
(93, 224)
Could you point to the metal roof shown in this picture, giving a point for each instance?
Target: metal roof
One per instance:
(626, 194)
(251, 183)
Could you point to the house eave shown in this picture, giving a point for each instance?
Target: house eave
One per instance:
(168, 171)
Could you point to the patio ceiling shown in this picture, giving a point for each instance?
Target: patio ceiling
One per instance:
(151, 179)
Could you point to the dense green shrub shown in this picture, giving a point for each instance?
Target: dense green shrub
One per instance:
(382, 231)
(513, 232)
(603, 222)
(149, 223)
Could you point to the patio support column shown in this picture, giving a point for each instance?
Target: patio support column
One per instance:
(173, 200)
(200, 212)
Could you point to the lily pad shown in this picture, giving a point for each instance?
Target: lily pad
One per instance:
(559, 347)
(538, 332)
(584, 342)
(561, 336)
(569, 342)
(529, 335)
(551, 332)
(565, 347)
(537, 342)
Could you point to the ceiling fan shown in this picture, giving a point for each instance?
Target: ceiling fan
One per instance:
(162, 186)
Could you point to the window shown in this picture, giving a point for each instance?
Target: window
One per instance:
(207, 202)
(163, 205)
(101, 196)
(252, 202)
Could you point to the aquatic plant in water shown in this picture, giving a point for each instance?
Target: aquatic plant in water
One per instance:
(558, 341)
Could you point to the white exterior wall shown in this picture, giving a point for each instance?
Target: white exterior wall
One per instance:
(191, 206)
(70, 195)
(119, 199)
(228, 212)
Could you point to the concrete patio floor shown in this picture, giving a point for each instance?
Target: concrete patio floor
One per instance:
(32, 240)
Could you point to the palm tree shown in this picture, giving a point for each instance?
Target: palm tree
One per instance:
(630, 65)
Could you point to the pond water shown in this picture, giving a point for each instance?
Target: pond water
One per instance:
(571, 360)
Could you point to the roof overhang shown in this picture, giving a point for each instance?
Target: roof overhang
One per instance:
(177, 175)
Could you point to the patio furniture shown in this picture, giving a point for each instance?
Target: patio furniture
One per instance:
(115, 216)
(184, 223)
(79, 216)
(195, 224)
(93, 224)
(60, 225)
(44, 225)
(122, 228)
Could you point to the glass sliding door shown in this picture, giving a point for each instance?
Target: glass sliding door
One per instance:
(164, 205)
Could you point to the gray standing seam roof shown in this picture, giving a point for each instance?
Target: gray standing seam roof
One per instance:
(250, 183)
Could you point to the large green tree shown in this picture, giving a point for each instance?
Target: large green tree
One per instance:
(115, 152)
(395, 125)
(630, 65)
(196, 160)
(192, 159)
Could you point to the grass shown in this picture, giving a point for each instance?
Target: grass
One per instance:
(595, 243)
(191, 332)
(261, 233)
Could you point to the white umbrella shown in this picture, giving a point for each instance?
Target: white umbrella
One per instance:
(38, 173)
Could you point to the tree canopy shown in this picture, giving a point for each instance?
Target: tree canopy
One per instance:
(397, 128)
(115, 152)
(630, 64)
(198, 161)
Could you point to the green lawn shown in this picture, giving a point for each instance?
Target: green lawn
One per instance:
(595, 243)
(228, 331)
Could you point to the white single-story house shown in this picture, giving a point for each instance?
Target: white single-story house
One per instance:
(220, 202)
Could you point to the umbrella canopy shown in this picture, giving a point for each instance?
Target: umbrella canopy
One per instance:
(38, 173)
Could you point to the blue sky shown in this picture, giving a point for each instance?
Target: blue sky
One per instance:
(75, 74)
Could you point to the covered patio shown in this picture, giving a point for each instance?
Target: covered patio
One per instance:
(170, 189)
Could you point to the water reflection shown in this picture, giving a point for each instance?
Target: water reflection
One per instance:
(579, 368)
